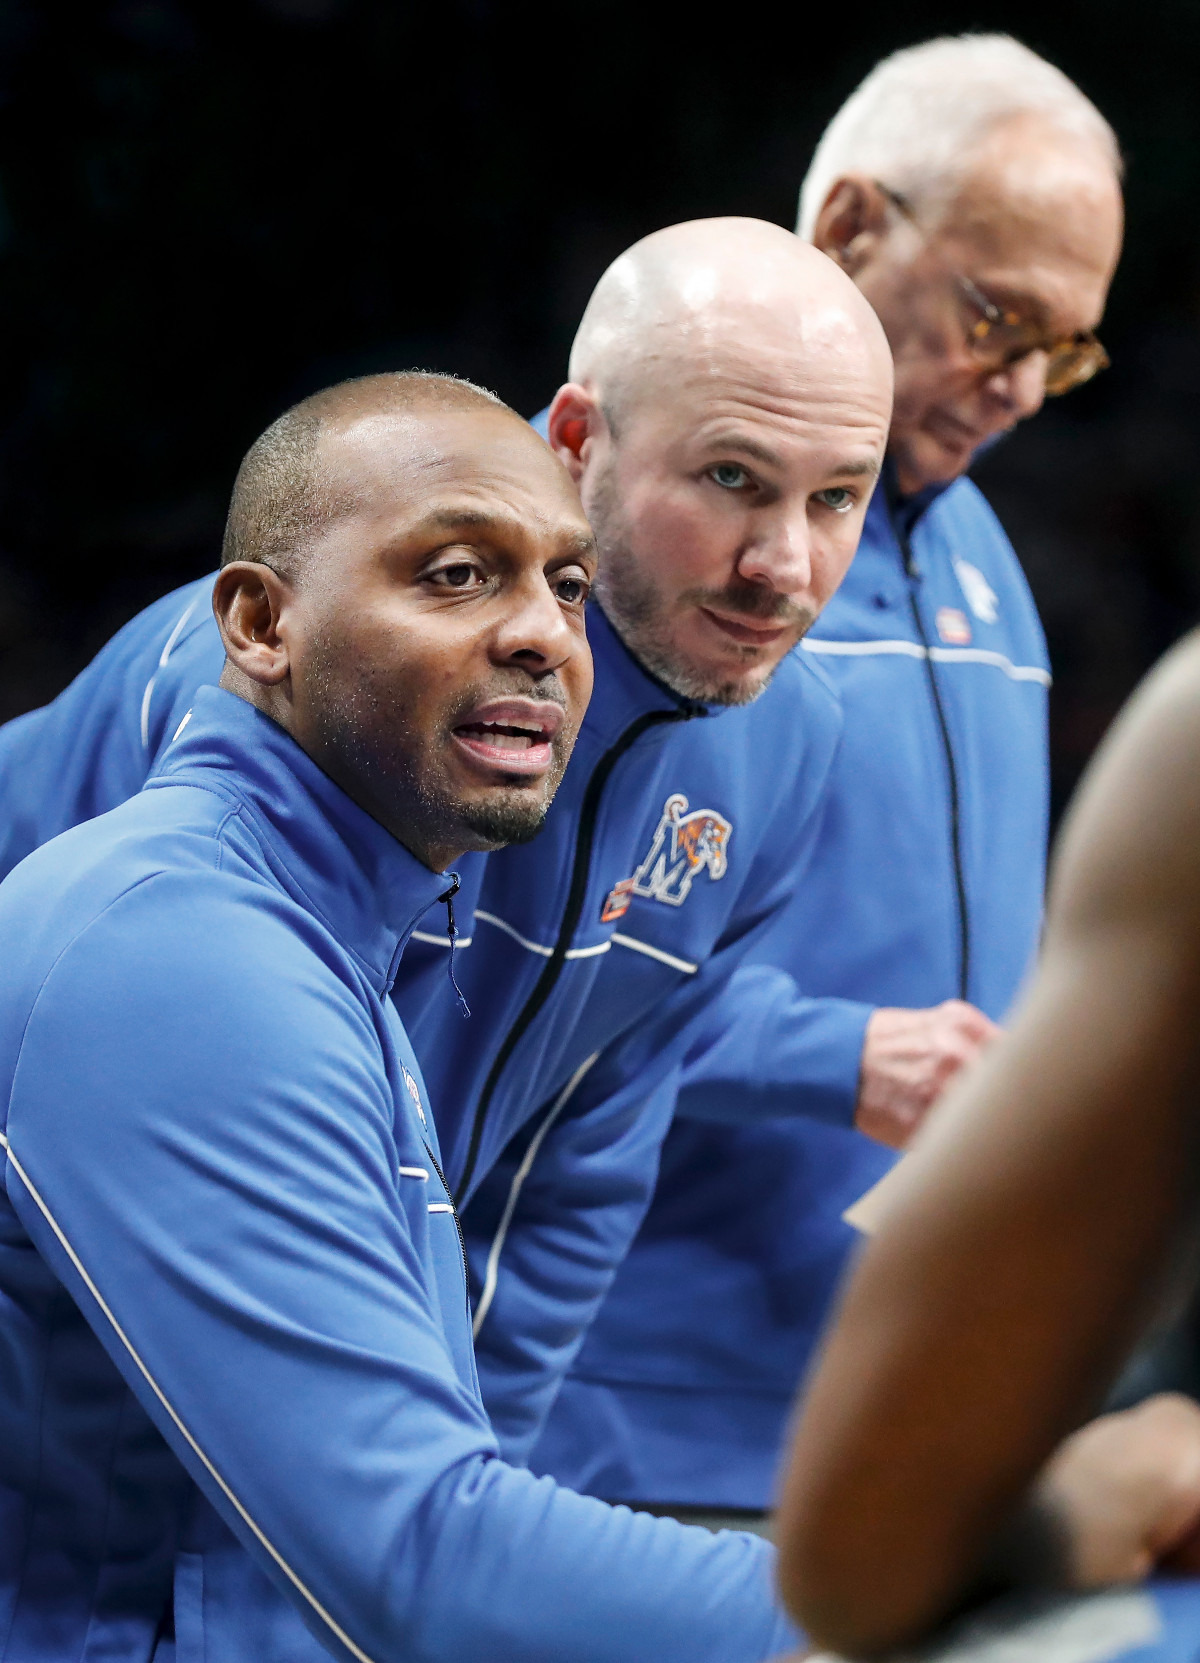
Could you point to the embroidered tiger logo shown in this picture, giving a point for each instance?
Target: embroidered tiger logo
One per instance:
(683, 846)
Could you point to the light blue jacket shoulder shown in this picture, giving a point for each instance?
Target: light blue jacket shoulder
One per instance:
(232, 1294)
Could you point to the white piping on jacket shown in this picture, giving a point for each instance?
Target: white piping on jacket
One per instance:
(685, 965)
(510, 1206)
(162, 659)
(615, 940)
(440, 1207)
(536, 946)
(939, 655)
(413, 1172)
(313, 1601)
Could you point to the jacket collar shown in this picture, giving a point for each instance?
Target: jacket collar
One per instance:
(626, 690)
(338, 862)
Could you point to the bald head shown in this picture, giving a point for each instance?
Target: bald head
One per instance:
(694, 294)
(725, 419)
(287, 492)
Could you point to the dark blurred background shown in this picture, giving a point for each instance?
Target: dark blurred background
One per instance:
(207, 210)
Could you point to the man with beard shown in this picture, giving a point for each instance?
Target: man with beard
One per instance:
(973, 195)
(241, 1418)
(725, 420)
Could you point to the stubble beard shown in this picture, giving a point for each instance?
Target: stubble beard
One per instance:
(373, 748)
(641, 614)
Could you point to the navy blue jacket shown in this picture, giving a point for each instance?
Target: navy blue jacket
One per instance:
(925, 884)
(240, 1417)
(587, 956)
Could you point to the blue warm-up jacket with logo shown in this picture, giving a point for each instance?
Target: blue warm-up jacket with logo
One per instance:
(925, 884)
(587, 956)
(240, 1420)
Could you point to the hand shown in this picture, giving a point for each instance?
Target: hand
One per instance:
(1127, 1487)
(909, 1058)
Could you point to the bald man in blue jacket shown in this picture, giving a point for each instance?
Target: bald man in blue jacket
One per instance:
(920, 910)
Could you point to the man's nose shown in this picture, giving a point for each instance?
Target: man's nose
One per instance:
(1021, 387)
(779, 554)
(533, 629)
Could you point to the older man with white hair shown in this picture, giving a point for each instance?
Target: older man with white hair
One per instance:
(972, 192)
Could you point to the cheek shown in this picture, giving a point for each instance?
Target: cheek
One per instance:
(923, 383)
(684, 539)
(403, 669)
(578, 678)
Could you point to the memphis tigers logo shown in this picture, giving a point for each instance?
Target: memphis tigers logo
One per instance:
(683, 846)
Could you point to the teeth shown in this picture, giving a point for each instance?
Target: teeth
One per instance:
(502, 736)
(507, 741)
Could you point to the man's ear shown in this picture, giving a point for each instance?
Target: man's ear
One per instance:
(572, 424)
(851, 222)
(249, 600)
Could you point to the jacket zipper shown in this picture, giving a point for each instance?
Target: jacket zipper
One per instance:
(960, 884)
(462, 1240)
(552, 969)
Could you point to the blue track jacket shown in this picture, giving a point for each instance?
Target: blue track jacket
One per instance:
(240, 1417)
(589, 957)
(926, 884)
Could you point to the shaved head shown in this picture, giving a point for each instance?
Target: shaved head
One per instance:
(285, 495)
(694, 293)
(726, 416)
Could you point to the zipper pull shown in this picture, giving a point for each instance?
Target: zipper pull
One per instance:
(452, 932)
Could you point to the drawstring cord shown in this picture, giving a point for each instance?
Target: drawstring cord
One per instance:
(452, 932)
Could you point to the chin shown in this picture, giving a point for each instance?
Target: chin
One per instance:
(504, 817)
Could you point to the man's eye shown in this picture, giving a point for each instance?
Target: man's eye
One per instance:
(838, 498)
(460, 575)
(729, 476)
(572, 590)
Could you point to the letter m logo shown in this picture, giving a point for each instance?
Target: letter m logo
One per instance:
(684, 845)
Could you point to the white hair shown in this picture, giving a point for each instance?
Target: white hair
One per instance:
(921, 114)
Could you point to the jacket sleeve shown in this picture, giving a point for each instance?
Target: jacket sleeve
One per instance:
(201, 1145)
(548, 1227)
(764, 1049)
(95, 745)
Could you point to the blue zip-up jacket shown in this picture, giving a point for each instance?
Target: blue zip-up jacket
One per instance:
(676, 838)
(926, 884)
(241, 1419)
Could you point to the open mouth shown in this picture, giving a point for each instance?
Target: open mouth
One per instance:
(514, 736)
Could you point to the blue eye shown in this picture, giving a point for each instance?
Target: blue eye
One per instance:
(838, 498)
(730, 476)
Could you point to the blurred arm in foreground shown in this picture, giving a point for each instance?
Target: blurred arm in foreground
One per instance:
(1029, 1241)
